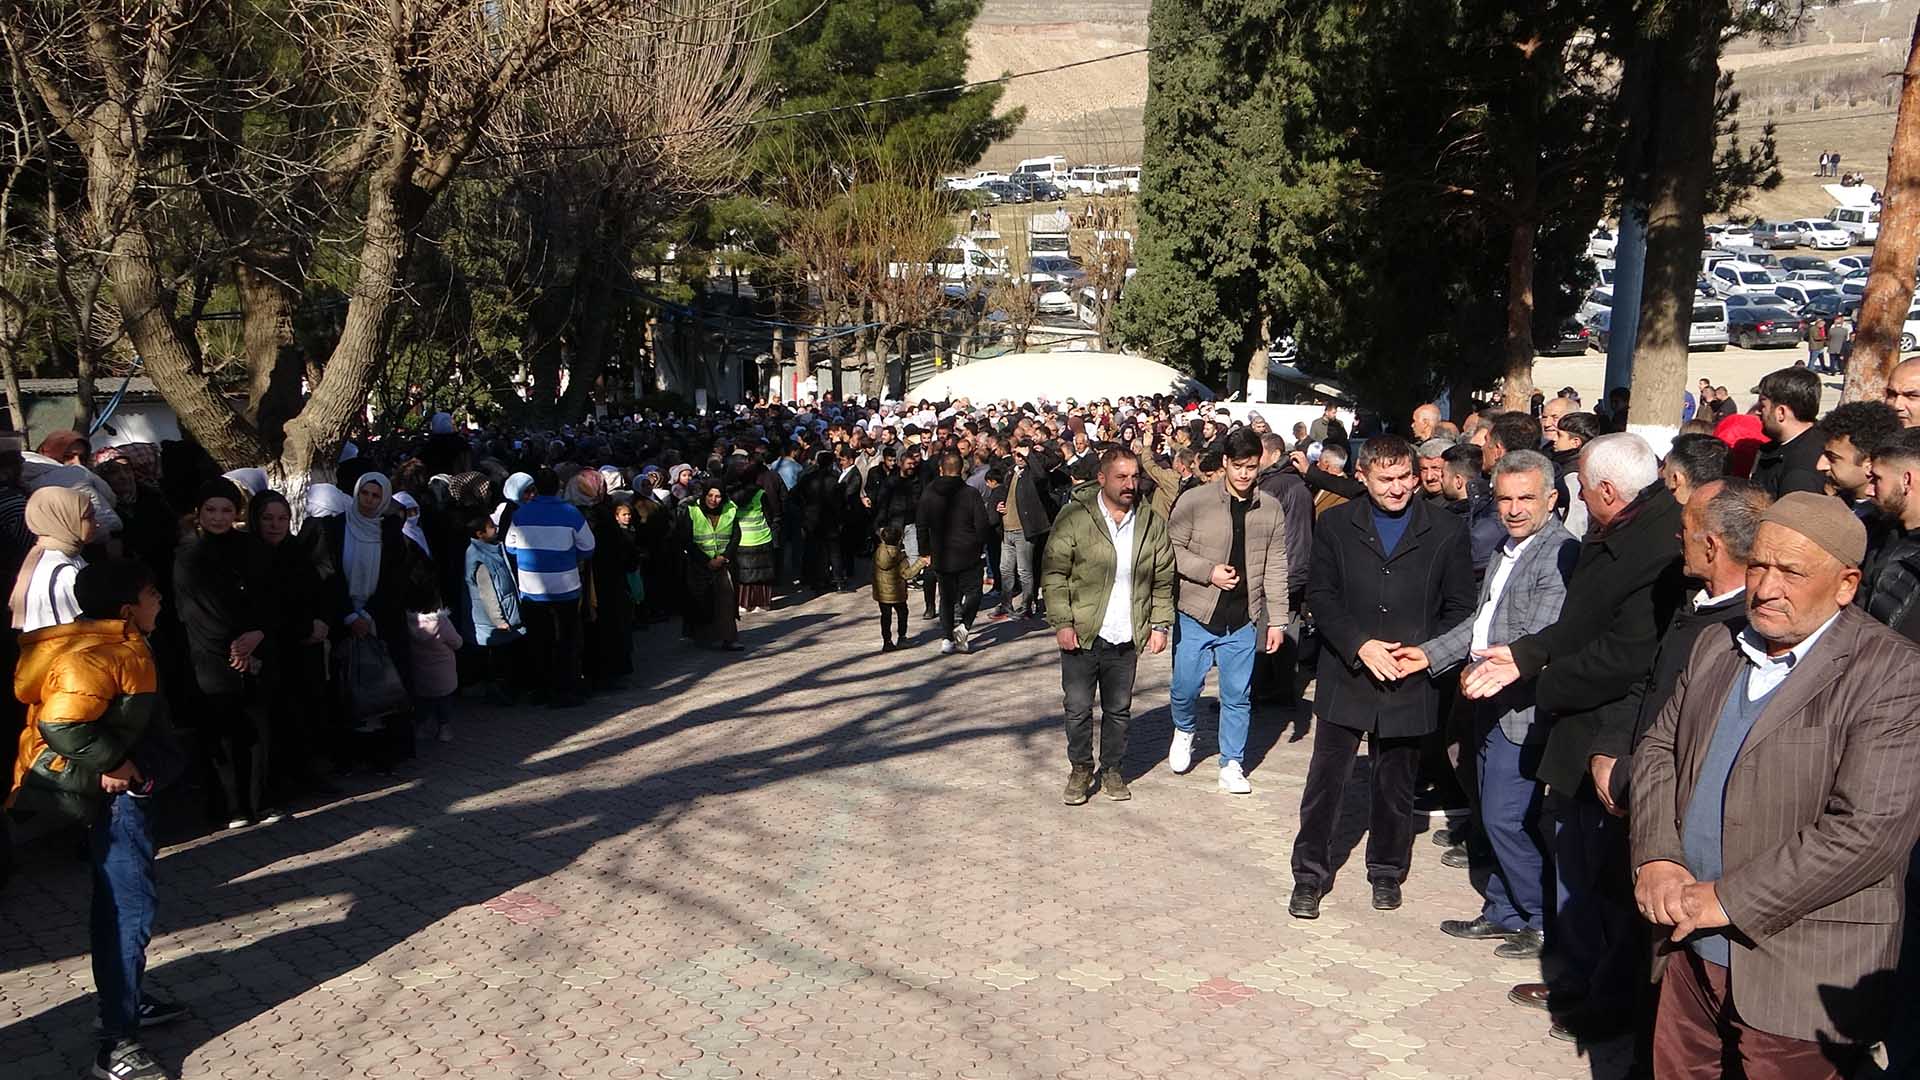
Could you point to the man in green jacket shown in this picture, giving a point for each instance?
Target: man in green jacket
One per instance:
(1107, 574)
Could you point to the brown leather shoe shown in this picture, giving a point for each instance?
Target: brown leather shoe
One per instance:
(1541, 996)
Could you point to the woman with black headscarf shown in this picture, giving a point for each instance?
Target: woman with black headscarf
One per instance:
(225, 612)
(293, 675)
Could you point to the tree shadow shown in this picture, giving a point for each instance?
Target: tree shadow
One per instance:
(448, 826)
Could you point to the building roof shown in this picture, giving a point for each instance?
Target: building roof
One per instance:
(138, 388)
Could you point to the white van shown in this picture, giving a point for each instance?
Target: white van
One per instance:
(1861, 222)
(1085, 179)
(1053, 167)
(964, 261)
(1120, 180)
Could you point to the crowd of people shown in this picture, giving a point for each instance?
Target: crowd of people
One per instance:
(1670, 694)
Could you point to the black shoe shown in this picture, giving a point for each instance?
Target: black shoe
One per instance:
(1386, 895)
(1436, 803)
(1525, 945)
(888, 646)
(1480, 928)
(1446, 837)
(1305, 903)
(1115, 785)
(153, 1012)
(1079, 785)
(127, 1060)
(1456, 857)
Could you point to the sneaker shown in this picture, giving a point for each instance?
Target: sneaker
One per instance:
(269, 816)
(946, 648)
(154, 1012)
(127, 1060)
(1002, 615)
(888, 646)
(239, 822)
(1180, 755)
(743, 613)
(1079, 785)
(1115, 785)
(1233, 781)
(960, 635)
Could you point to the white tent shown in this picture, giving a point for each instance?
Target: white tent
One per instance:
(1057, 376)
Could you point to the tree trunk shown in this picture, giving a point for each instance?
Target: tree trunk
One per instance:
(1518, 388)
(1876, 339)
(1682, 144)
(13, 329)
(274, 366)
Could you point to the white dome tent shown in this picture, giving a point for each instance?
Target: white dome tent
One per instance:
(1056, 376)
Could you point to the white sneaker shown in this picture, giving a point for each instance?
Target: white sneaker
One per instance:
(1180, 756)
(960, 635)
(1233, 781)
(946, 648)
(743, 613)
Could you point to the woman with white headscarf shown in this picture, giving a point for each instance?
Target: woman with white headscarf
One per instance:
(62, 522)
(410, 522)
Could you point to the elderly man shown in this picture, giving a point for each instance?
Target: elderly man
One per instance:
(1903, 391)
(1555, 408)
(1433, 471)
(1588, 665)
(1108, 574)
(1230, 547)
(1777, 798)
(1387, 570)
(1426, 420)
(1521, 594)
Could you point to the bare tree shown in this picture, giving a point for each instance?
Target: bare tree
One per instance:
(1012, 296)
(315, 131)
(1105, 251)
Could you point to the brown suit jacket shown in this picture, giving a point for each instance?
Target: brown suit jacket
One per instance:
(1822, 809)
(1202, 533)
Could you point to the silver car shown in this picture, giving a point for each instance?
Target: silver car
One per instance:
(1707, 329)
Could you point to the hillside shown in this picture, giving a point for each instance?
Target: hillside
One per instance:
(1825, 86)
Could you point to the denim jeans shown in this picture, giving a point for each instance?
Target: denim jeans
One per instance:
(1195, 649)
(1109, 668)
(1016, 572)
(1510, 801)
(122, 917)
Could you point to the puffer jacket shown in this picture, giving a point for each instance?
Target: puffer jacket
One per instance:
(890, 572)
(1890, 585)
(93, 702)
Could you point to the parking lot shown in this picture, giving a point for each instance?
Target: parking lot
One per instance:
(1736, 369)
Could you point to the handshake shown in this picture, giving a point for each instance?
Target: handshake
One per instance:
(1390, 661)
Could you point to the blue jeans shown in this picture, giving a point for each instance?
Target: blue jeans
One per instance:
(122, 918)
(1510, 811)
(1195, 649)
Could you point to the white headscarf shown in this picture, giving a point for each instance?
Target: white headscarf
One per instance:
(363, 540)
(325, 500)
(412, 527)
(251, 481)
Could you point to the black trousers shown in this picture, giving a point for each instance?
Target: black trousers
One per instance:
(1108, 669)
(1390, 829)
(891, 614)
(553, 644)
(959, 598)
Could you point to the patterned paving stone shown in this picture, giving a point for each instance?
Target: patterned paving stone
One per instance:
(812, 860)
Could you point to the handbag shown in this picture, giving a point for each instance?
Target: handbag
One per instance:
(370, 682)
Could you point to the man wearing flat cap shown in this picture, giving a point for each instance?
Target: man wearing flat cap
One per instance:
(1777, 799)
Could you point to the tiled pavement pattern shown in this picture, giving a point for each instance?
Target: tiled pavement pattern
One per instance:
(811, 860)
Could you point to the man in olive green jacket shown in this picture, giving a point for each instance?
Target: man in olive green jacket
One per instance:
(1107, 574)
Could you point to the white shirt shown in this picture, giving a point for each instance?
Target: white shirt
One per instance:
(1770, 671)
(1702, 600)
(1116, 625)
(1508, 554)
(50, 600)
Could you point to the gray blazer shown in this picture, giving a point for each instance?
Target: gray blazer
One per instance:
(1535, 589)
(1820, 814)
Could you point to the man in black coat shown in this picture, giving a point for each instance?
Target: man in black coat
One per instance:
(1387, 570)
(1273, 673)
(816, 500)
(953, 528)
(1589, 666)
(855, 517)
(1789, 405)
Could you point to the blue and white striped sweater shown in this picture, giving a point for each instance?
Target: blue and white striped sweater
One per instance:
(548, 540)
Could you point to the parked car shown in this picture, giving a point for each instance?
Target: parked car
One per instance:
(1730, 278)
(1740, 236)
(1799, 294)
(1827, 305)
(1707, 327)
(1822, 277)
(1854, 262)
(1910, 331)
(1005, 191)
(1038, 189)
(1778, 234)
(1602, 243)
(1823, 235)
(1767, 259)
(1571, 341)
(1597, 301)
(1713, 257)
(1755, 325)
(1804, 262)
(1860, 222)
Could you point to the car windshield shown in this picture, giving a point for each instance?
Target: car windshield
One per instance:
(1770, 314)
(1054, 265)
(1708, 313)
(1755, 277)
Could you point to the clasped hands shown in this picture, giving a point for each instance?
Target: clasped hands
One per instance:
(1390, 661)
(1667, 895)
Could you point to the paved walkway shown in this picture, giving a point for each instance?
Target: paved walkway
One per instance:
(810, 860)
